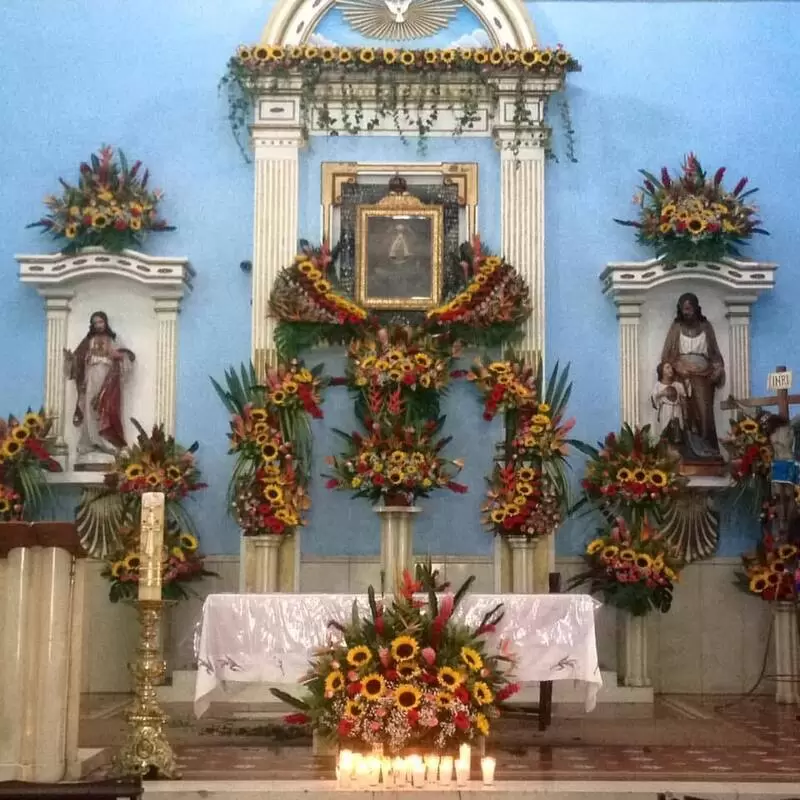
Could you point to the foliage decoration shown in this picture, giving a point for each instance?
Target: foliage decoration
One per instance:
(407, 674)
(772, 572)
(154, 463)
(506, 385)
(691, 217)
(410, 85)
(751, 456)
(395, 462)
(24, 460)
(110, 207)
(631, 570)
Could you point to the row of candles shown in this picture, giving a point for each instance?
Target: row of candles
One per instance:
(358, 771)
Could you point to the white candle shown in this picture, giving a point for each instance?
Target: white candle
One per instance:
(150, 545)
(386, 770)
(362, 773)
(462, 772)
(465, 754)
(374, 765)
(418, 775)
(432, 768)
(345, 769)
(487, 770)
(446, 769)
(399, 771)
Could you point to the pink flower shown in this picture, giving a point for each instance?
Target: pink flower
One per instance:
(352, 675)
(383, 654)
(429, 655)
(375, 726)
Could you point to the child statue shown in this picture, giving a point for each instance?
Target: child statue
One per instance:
(668, 398)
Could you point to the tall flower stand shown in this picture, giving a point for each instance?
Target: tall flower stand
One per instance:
(787, 653)
(397, 542)
(632, 649)
(41, 607)
(261, 567)
(523, 563)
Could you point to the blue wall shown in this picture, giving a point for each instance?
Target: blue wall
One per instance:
(659, 79)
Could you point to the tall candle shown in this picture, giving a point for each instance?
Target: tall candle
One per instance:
(465, 754)
(432, 767)
(446, 769)
(151, 544)
(462, 772)
(487, 768)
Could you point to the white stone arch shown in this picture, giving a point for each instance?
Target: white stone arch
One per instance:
(506, 21)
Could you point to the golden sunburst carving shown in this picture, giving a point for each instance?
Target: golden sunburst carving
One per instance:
(397, 20)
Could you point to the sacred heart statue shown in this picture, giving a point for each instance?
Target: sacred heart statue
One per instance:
(395, 20)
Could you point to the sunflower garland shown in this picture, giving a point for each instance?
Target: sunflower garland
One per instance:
(407, 674)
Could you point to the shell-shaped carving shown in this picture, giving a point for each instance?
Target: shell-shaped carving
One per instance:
(691, 525)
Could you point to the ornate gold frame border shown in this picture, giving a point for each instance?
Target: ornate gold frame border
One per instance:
(389, 207)
(335, 174)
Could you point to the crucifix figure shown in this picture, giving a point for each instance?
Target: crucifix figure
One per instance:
(780, 429)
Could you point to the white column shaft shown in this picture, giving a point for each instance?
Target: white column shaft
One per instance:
(275, 235)
(738, 366)
(166, 309)
(266, 551)
(522, 564)
(787, 654)
(57, 306)
(397, 543)
(629, 316)
(633, 649)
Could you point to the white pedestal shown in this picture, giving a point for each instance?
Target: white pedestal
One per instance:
(263, 567)
(523, 564)
(40, 638)
(787, 653)
(632, 649)
(397, 542)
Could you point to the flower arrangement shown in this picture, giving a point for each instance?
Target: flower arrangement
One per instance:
(396, 462)
(111, 206)
(411, 82)
(773, 571)
(24, 459)
(522, 501)
(634, 571)
(181, 564)
(507, 385)
(749, 449)
(407, 675)
(632, 475)
(692, 216)
(493, 304)
(308, 307)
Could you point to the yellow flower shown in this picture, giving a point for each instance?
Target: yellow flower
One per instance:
(286, 516)
(396, 476)
(389, 56)
(290, 387)
(498, 515)
(153, 479)
(471, 658)
(397, 457)
(177, 553)
(404, 647)
(423, 359)
(500, 367)
(11, 448)
(450, 678)
(748, 425)
(493, 262)
(353, 709)
(627, 554)
(334, 682)
(668, 210)
(276, 52)
(665, 227)
(273, 493)
(322, 286)
(444, 699)
(304, 376)
(525, 488)
(407, 696)
(609, 552)
(71, 231)
(562, 57)
(359, 656)
(188, 542)
(482, 724)
(594, 546)
(311, 52)
(305, 266)
(407, 58)
(100, 220)
(328, 54)
(623, 475)
(526, 474)
(135, 224)
(696, 225)
(407, 669)
(540, 419)
(465, 53)
(431, 57)
(496, 56)
(757, 583)
(545, 57)
(355, 482)
(373, 686)
(116, 568)
(269, 451)
(448, 56)
(643, 561)
(786, 551)
(278, 397)
(482, 693)
(345, 56)
(19, 433)
(528, 57)
(658, 478)
(639, 475)
(132, 561)
(511, 57)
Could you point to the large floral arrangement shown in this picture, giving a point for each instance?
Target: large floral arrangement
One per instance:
(632, 570)
(111, 206)
(773, 571)
(407, 675)
(506, 385)
(396, 462)
(411, 83)
(692, 216)
(181, 564)
(24, 460)
(632, 475)
(309, 308)
(749, 449)
(493, 304)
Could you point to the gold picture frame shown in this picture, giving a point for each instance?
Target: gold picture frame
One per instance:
(399, 254)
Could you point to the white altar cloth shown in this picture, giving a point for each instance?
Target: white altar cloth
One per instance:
(252, 638)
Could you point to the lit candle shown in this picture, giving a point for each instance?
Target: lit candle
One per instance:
(487, 769)
(150, 545)
(462, 772)
(345, 770)
(465, 754)
(386, 770)
(418, 774)
(374, 766)
(399, 771)
(446, 769)
(362, 773)
(432, 768)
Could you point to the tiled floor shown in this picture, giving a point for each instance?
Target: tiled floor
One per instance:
(679, 739)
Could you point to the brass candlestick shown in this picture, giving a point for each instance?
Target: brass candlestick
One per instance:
(146, 751)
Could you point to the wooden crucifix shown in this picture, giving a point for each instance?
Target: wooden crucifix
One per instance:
(781, 436)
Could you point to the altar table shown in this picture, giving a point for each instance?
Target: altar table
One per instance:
(252, 638)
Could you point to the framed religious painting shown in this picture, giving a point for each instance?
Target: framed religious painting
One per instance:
(399, 254)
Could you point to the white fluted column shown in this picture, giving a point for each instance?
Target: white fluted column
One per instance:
(274, 229)
(787, 654)
(397, 543)
(523, 564)
(629, 314)
(737, 367)
(632, 649)
(167, 307)
(57, 308)
(265, 563)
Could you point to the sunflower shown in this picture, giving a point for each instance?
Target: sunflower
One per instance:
(269, 451)
(359, 656)
(665, 227)
(334, 682)
(396, 476)
(444, 699)
(11, 448)
(758, 583)
(116, 568)
(404, 647)
(482, 693)
(71, 231)
(389, 56)
(448, 56)
(609, 552)
(472, 658)
(174, 472)
(244, 53)
(465, 53)
(286, 517)
(135, 224)
(480, 56)
(786, 551)
(328, 54)
(305, 267)
(153, 479)
(640, 475)
(353, 709)
(540, 419)
(450, 678)
(373, 686)
(482, 724)
(290, 387)
(397, 457)
(528, 58)
(657, 477)
(778, 566)
(594, 546)
(562, 58)
(345, 56)
(322, 286)
(177, 553)
(670, 575)
(32, 421)
(132, 561)
(188, 542)
(407, 58)
(627, 554)
(274, 493)
(5, 505)
(525, 488)
(510, 57)
(134, 471)
(423, 359)
(498, 515)
(277, 52)
(623, 475)
(643, 561)
(407, 669)
(100, 220)
(545, 57)
(500, 367)
(311, 52)
(407, 696)
(748, 425)
(278, 397)
(696, 225)
(526, 474)
(431, 56)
